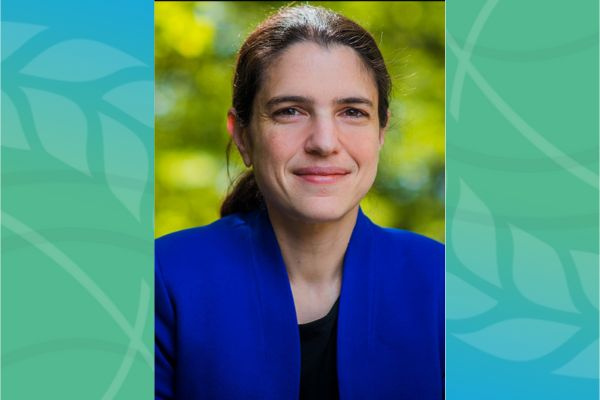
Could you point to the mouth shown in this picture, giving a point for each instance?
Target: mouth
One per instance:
(321, 175)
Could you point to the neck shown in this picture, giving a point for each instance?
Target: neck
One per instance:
(313, 252)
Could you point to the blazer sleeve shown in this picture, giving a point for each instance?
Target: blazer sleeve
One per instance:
(164, 341)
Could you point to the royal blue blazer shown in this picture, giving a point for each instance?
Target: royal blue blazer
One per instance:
(226, 325)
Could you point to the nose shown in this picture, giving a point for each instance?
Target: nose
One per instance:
(323, 137)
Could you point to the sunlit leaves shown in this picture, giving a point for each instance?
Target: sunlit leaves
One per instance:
(177, 27)
(195, 47)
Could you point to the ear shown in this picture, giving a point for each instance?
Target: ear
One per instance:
(239, 136)
(384, 129)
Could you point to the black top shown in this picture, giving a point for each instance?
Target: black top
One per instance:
(318, 374)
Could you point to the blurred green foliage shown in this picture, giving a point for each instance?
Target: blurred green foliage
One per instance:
(195, 49)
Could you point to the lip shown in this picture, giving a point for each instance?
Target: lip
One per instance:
(325, 174)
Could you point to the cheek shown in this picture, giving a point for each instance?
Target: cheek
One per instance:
(273, 151)
(365, 153)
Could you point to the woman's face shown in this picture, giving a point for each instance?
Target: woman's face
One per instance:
(314, 137)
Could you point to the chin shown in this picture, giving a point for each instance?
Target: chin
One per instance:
(322, 210)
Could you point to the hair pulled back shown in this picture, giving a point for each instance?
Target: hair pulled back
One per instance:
(288, 26)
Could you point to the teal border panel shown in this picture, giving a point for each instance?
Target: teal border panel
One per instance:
(77, 199)
(522, 200)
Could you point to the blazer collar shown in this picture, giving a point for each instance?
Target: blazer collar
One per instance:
(281, 340)
(355, 312)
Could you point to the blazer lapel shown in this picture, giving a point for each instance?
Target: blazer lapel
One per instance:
(281, 339)
(355, 314)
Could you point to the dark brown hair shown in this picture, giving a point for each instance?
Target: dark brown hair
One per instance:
(288, 26)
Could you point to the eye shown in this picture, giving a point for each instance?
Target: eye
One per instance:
(355, 113)
(287, 112)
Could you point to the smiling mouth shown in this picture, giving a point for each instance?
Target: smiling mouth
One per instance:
(321, 174)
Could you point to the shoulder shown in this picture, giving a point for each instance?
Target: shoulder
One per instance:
(401, 252)
(216, 233)
(409, 243)
(201, 248)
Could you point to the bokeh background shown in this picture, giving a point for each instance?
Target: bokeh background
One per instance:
(195, 50)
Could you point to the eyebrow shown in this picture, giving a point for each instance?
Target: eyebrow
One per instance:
(307, 100)
(354, 100)
(288, 99)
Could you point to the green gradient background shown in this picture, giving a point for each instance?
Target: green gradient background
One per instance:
(522, 200)
(77, 200)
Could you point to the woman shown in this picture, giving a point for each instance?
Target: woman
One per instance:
(295, 292)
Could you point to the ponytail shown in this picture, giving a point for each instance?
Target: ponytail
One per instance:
(245, 196)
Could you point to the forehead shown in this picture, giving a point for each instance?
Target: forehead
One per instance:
(311, 70)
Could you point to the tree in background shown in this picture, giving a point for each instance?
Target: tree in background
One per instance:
(195, 49)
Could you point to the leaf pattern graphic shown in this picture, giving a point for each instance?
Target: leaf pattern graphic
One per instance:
(15, 35)
(583, 365)
(463, 300)
(79, 60)
(51, 100)
(520, 339)
(10, 124)
(538, 272)
(474, 243)
(135, 99)
(536, 322)
(126, 164)
(587, 268)
(61, 127)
